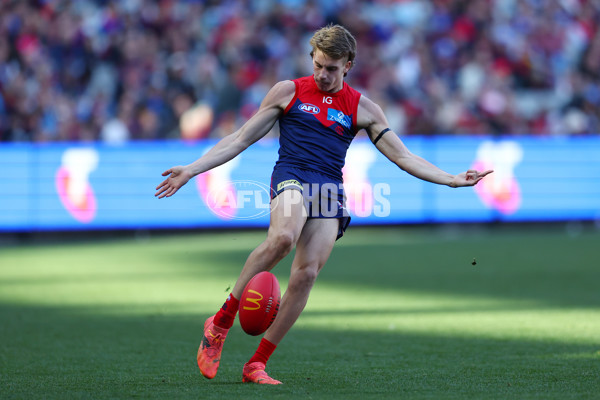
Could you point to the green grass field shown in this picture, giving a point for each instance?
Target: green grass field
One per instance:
(396, 313)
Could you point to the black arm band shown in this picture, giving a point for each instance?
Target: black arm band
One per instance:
(380, 135)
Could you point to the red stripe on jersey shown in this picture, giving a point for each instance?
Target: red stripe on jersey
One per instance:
(345, 101)
(317, 127)
(291, 103)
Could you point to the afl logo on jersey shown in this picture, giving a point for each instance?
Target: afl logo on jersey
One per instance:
(309, 108)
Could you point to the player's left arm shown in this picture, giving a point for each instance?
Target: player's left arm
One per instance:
(373, 120)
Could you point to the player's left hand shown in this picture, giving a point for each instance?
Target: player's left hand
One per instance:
(469, 178)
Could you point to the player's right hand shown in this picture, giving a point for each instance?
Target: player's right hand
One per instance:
(177, 177)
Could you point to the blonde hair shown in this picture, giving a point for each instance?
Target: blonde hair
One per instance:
(336, 42)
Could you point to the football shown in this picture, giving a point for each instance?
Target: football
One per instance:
(259, 303)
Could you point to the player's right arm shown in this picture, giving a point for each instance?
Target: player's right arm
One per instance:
(231, 145)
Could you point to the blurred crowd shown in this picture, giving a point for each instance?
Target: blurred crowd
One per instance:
(113, 71)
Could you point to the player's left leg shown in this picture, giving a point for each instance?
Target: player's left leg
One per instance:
(312, 251)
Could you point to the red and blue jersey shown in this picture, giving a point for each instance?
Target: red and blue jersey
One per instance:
(317, 127)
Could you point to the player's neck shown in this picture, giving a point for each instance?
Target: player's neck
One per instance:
(337, 89)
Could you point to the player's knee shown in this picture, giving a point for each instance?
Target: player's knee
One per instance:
(303, 278)
(282, 243)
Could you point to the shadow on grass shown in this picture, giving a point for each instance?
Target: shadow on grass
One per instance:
(59, 353)
(550, 268)
(77, 352)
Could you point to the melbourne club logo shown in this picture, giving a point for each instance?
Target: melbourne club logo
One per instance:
(73, 185)
(215, 189)
(229, 200)
(363, 199)
(501, 189)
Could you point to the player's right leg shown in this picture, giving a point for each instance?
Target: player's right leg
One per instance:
(288, 216)
(209, 352)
